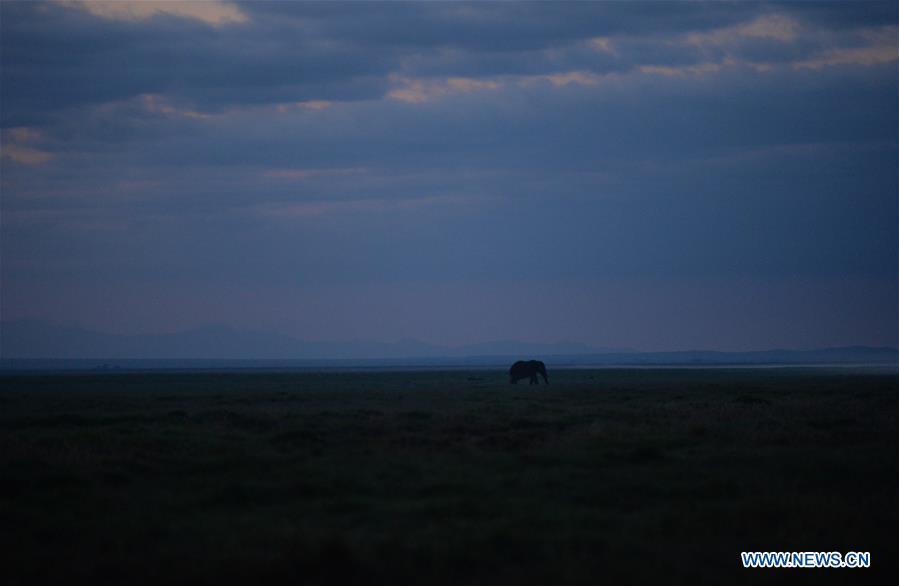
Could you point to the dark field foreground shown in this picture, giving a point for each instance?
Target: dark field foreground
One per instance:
(604, 477)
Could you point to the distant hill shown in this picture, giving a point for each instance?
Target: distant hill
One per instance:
(40, 345)
(842, 355)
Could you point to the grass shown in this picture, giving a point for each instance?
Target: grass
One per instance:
(619, 476)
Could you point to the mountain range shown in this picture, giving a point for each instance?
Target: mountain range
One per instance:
(40, 344)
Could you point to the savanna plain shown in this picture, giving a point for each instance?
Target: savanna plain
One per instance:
(616, 476)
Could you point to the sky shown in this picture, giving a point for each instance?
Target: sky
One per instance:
(657, 176)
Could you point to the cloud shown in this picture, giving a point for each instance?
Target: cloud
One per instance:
(24, 155)
(16, 144)
(603, 44)
(212, 12)
(23, 134)
(881, 47)
(416, 91)
(310, 104)
(775, 27)
(314, 209)
(565, 78)
(317, 144)
(301, 174)
(285, 54)
(160, 104)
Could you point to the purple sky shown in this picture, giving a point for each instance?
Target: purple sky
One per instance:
(659, 176)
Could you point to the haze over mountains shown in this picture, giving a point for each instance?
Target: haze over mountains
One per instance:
(31, 340)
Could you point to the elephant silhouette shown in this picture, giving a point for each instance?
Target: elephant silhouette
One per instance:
(528, 369)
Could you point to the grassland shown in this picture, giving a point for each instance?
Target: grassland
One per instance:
(456, 477)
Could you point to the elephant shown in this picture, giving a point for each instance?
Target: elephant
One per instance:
(528, 369)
